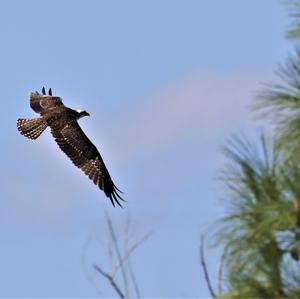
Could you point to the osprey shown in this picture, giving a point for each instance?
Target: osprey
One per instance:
(69, 137)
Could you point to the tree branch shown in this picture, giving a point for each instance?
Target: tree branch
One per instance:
(111, 280)
(134, 281)
(129, 251)
(205, 271)
(114, 238)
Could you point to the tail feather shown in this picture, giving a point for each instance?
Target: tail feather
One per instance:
(31, 128)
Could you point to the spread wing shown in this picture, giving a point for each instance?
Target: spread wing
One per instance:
(42, 103)
(83, 153)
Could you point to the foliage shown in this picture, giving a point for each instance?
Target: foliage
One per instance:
(262, 231)
(294, 32)
(280, 102)
(261, 234)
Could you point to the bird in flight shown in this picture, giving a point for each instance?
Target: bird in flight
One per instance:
(70, 138)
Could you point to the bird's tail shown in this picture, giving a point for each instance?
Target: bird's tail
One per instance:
(31, 128)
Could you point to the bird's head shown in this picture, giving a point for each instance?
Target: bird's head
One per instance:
(82, 113)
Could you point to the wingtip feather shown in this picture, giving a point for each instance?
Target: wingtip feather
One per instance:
(115, 197)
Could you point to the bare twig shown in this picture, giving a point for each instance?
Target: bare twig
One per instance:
(117, 249)
(129, 251)
(111, 280)
(111, 253)
(127, 228)
(205, 271)
(134, 281)
(122, 261)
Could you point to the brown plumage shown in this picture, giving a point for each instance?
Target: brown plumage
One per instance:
(69, 137)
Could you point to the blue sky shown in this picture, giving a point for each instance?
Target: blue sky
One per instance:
(165, 82)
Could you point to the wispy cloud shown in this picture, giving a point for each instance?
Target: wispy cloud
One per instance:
(201, 102)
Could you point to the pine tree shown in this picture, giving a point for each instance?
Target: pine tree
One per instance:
(261, 234)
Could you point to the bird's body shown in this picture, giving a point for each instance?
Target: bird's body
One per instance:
(69, 137)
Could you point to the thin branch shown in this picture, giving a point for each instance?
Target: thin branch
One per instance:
(113, 235)
(129, 252)
(205, 271)
(110, 251)
(127, 228)
(134, 281)
(111, 280)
